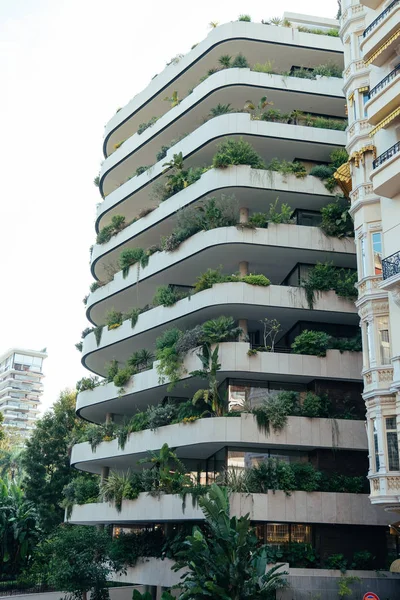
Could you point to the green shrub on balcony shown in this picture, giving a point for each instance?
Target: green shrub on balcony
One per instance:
(316, 343)
(236, 152)
(143, 126)
(324, 277)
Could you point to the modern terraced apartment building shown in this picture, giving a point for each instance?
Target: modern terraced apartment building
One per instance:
(371, 36)
(225, 263)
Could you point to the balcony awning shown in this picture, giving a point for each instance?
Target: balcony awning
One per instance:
(383, 47)
(343, 178)
(385, 121)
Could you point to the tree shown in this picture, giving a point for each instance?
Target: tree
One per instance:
(78, 560)
(225, 562)
(46, 459)
(19, 530)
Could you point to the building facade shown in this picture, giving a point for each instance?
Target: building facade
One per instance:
(370, 32)
(21, 375)
(158, 269)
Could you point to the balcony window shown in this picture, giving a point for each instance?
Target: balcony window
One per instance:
(283, 533)
(370, 343)
(384, 342)
(365, 98)
(392, 444)
(376, 448)
(377, 252)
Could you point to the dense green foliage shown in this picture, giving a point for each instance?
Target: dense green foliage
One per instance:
(318, 342)
(78, 560)
(19, 529)
(46, 459)
(225, 562)
(324, 277)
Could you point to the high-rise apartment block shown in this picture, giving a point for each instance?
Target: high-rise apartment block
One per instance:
(21, 387)
(220, 212)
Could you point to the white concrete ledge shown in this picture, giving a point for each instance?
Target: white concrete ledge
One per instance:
(206, 436)
(238, 300)
(199, 147)
(245, 183)
(286, 93)
(146, 388)
(256, 41)
(275, 507)
(274, 251)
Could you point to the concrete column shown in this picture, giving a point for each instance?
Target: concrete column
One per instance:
(109, 418)
(243, 325)
(243, 215)
(151, 589)
(243, 268)
(105, 471)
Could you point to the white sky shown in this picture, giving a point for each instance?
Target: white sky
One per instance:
(65, 67)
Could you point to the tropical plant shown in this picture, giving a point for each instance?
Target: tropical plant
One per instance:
(78, 561)
(117, 487)
(267, 67)
(46, 459)
(311, 342)
(19, 528)
(222, 329)
(271, 328)
(143, 126)
(236, 152)
(336, 219)
(225, 61)
(174, 100)
(168, 470)
(130, 256)
(87, 383)
(220, 109)
(325, 277)
(246, 18)
(287, 168)
(256, 109)
(210, 366)
(240, 62)
(167, 295)
(225, 561)
(113, 318)
(253, 279)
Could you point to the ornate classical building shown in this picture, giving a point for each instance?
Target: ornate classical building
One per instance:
(370, 31)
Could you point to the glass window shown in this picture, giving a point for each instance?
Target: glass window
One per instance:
(301, 534)
(278, 533)
(365, 97)
(392, 444)
(370, 343)
(384, 342)
(377, 252)
(376, 447)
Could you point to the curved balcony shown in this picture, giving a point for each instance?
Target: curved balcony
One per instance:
(385, 176)
(381, 36)
(385, 491)
(253, 188)
(274, 251)
(204, 437)
(199, 147)
(384, 97)
(258, 42)
(323, 96)
(157, 571)
(237, 300)
(146, 388)
(275, 507)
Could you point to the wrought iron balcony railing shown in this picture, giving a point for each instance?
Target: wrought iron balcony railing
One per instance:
(386, 155)
(380, 18)
(391, 265)
(379, 86)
